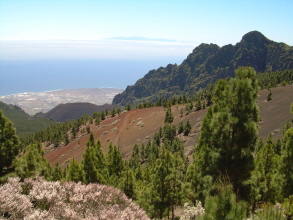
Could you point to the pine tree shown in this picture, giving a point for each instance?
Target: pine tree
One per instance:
(265, 178)
(127, 183)
(8, 142)
(97, 121)
(169, 133)
(32, 163)
(169, 116)
(74, 172)
(57, 173)
(198, 105)
(93, 162)
(286, 161)
(135, 157)
(196, 186)
(115, 162)
(224, 205)
(118, 111)
(128, 107)
(229, 130)
(181, 112)
(269, 97)
(113, 112)
(88, 164)
(103, 116)
(91, 140)
(101, 164)
(160, 187)
(181, 127)
(88, 129)
(176, 178)
(187, 128)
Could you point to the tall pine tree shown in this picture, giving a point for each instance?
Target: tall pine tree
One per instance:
(8, 142)
(229, 130)
(286, 161)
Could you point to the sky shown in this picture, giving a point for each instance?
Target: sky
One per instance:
(128, 29)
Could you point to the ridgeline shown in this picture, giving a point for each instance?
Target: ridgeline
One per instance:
(206, 64)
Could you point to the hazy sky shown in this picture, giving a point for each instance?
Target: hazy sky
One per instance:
(129, 29)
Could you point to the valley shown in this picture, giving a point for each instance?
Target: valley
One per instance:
(35, 102)
(215, 131)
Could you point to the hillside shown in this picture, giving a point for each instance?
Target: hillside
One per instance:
(23, 122)
(140, 125)
(72, 111)
(35, 102)
(206, 64)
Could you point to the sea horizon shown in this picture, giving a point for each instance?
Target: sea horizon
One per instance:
(26, 76)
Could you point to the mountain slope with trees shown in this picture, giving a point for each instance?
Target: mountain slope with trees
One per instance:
(234, 174)
(206, 64)
(73, 111)
(23, 122)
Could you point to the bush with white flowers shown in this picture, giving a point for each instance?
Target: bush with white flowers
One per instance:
(192, 212)
(39, 199)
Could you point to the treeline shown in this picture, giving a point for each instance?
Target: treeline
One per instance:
(203, 97)
(63, 133)
(233, 174)
(274, 79)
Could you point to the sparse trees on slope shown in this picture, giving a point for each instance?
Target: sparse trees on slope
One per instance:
(32, 163)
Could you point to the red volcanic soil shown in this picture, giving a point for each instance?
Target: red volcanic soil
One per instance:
(140, 125)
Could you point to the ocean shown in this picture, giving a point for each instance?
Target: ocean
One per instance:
(19, 76)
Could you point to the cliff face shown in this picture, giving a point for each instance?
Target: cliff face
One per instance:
(206, 64)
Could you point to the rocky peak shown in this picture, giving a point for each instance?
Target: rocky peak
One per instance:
(255, 37)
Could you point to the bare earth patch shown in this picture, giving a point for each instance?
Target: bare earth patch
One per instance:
(140, 125)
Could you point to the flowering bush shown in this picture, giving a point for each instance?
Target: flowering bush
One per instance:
(39, 199)
(192, 212)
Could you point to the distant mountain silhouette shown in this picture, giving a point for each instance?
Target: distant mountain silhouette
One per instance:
(206, 64)
(72, 111)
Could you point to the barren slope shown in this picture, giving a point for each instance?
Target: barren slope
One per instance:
(138, 126)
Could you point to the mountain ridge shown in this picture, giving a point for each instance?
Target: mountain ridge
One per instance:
(206, 64)
(72, 111)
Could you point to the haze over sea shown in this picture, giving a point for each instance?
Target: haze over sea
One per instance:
(51, 45)
(19, 76)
